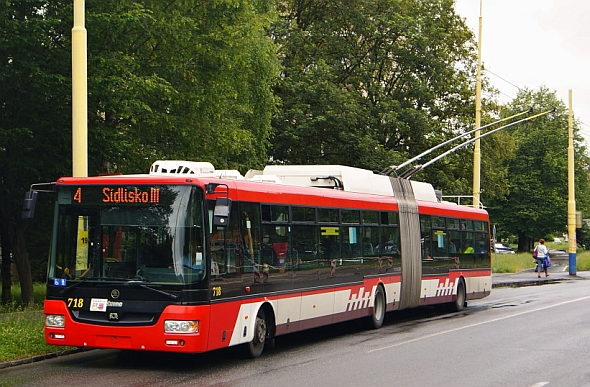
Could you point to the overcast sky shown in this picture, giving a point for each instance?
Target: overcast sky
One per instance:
(533, 43)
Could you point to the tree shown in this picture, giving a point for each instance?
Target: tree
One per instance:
(536, 203)
(32, 94)
(371, 84)
(183, 80)
(167, 79)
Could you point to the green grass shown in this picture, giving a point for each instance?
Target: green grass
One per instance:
(22, 335)
(15, 304)
(21, 331)
(513, 263)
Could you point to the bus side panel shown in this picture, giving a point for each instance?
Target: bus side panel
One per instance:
(328, 306)
(438, 290)
(288, 314)
(228, 320)
(478, 284)
(150, 338)
(317, 309)
(443, 289)
(392, 286)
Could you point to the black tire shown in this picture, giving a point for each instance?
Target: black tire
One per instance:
(256, 346)
(379, 308)
(459, 303)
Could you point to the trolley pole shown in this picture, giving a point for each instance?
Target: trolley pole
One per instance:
(571, 203)
(79, 93)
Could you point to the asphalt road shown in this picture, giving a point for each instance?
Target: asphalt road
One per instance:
(530, 336)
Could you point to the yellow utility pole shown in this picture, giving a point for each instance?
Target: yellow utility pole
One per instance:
(571, 203)
(477, 151)
(79, 94)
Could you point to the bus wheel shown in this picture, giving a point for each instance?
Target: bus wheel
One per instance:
(379, 307)
(460, 300)
(256, 346)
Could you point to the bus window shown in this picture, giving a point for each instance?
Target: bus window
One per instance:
(389, 218)
(275, 245)
(370, 241)
(390, 240)
(275, 213)
(439, 243)
(350, 241)
(425, 237)
(75, 238)
(480, 226)
(351, 216)
(329, 248)
(454, 242)
(327, 215)
(370, 217)
(482, 244)
(453, 224)
(468, 243)
(438, 222)
(250, 225)
(303, 214)
(305, 246)
(439, 237)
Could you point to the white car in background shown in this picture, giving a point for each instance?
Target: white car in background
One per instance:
(503, 248)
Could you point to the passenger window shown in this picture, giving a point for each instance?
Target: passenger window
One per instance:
(370, 217)
(305, 251)
(303, 214)
(351, 216)
(327, 215)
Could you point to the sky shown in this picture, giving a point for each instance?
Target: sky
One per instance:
(534, 43)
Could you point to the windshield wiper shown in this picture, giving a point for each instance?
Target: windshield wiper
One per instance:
(69, 288)
(140, 284)
(127, 281)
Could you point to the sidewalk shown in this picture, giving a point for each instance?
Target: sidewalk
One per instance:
(529, 277)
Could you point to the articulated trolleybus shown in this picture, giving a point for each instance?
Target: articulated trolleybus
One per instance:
(190, 259)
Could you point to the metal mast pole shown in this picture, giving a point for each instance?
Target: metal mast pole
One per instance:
(477, 151)
(571, 203)
(79, 93)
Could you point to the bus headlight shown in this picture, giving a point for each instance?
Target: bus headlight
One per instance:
(55, 320)
(181, 326)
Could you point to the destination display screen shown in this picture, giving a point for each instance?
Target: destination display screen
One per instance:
(117, 195)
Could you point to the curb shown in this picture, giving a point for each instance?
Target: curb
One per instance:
(37, 358)
(520, 284)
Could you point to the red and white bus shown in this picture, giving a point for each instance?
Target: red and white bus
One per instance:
(190, 259)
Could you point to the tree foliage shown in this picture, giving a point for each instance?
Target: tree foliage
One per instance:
(369, 83)
(182, 80)
(537, 184)
(34, 91)
(166, 79)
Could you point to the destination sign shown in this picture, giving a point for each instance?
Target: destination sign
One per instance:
(116, 195)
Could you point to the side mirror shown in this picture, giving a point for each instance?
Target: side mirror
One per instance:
(221, 212)
(29, 205)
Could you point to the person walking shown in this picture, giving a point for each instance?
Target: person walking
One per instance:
(540, 253)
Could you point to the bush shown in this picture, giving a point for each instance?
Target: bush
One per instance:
(583, 236)
(15, 304)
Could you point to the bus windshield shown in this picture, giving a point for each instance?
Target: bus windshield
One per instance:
(152, 234)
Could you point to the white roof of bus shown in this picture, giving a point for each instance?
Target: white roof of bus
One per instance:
(349, 179)
(352, 179)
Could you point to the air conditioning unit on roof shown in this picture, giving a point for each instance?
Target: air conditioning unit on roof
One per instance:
(179, 167)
